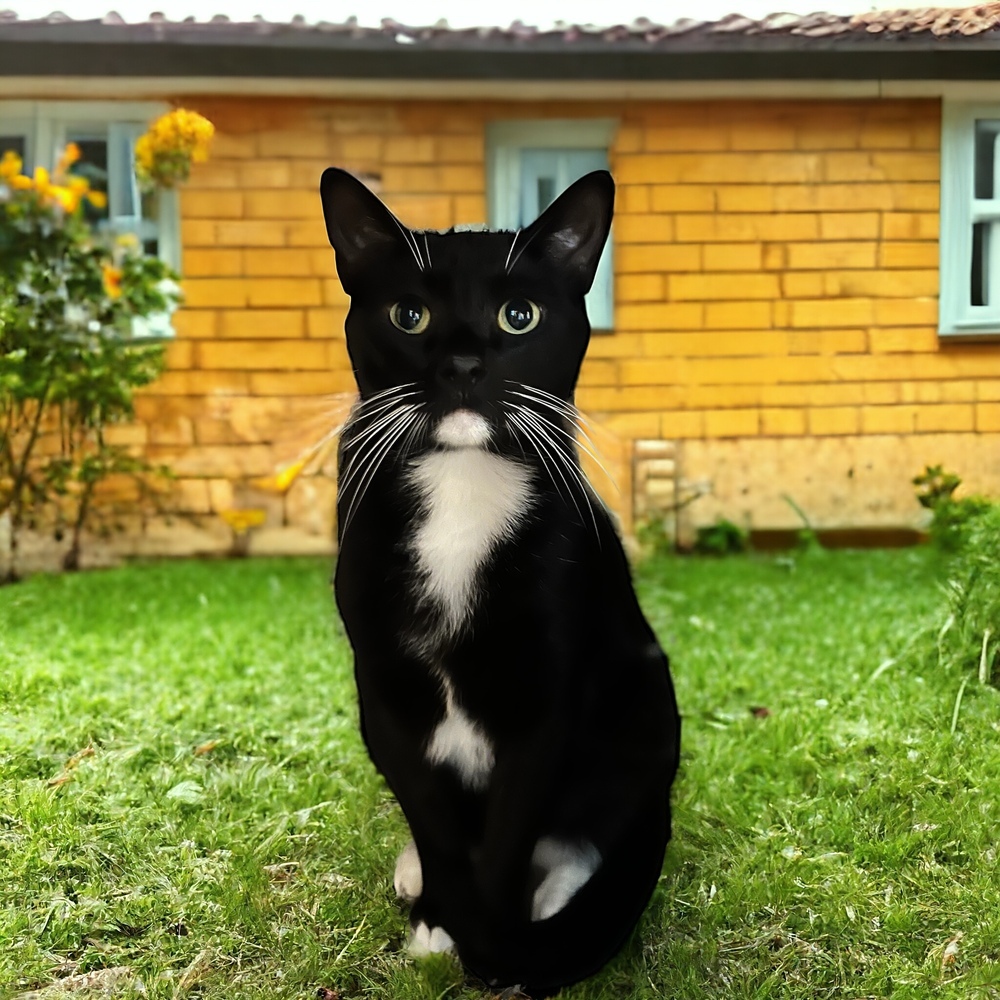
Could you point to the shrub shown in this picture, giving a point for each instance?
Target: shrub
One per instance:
(71, 300)
(952, 519)
(721, 539)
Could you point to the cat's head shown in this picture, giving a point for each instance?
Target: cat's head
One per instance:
(467, 324)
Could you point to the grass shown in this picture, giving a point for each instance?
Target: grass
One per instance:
(184, 795)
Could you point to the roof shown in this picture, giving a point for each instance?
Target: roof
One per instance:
(913, 44)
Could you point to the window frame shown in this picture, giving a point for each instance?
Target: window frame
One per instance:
(46, 123)
(505, 142)
(957, 317)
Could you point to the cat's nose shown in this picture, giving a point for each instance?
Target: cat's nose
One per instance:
(463, 368)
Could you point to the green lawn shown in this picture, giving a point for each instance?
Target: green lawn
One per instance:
(184, 796)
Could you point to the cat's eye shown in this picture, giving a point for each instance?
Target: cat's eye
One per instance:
(410, 316)
(519, 316)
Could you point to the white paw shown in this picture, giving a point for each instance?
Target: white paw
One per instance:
(567, 867)
(430, 941)
(409, 878)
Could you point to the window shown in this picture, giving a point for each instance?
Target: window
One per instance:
(532, 162)
(970, 220)
(106, 132)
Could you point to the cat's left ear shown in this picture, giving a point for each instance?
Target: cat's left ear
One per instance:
(572, 231)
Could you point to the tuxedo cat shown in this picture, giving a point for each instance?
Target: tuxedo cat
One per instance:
(511, 692)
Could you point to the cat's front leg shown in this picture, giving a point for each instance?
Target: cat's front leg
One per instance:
(408, 880)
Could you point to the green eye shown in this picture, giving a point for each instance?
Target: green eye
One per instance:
(410, 316)
(519, 316)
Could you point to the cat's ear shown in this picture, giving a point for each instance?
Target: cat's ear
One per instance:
(360, 227)
(572, 231)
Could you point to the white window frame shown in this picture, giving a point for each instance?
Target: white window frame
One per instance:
(960, 211)
(505, 141)
(46, 124)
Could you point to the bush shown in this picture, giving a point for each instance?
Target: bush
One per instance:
(721, 539)
(953, 519)
(71, 300)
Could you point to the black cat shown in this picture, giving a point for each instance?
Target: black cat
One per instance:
(511, 691)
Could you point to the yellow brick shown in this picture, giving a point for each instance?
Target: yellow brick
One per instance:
(599, 371)
(334, 294)
(853, 167)
(260, 355)
(745, 198)
(910, 166)
(325, 323)
(646, 371)
(628, 140)
(211, 204)
(733, 257)
(912, 255)
(285, 204)
(715, 287)
(126, 435)
(191, 496)
(635, 198)
(819, 394)
(731, 423)
(682, 139)
(730, 371)
(833, 197)
(887, 419)
(906, 312)
(633, 425)
(988, 390)
(887, 134)
(774, 256)
(456, 179)
(738, 315)
(302, 173)
(461, 148)
(714, 397)
(248, 234)
(215, 292)
(294, 144)
(410, 149)
(643, 229)
(261, 323)
(782, 422)
(827, 255)
(834, 128)
(721, 168)
(318, 383)
(987, 417)
(658, 316)
(266, 174)
(275, 263)
(197, 233)
(200, 263)
(849, 225)
(916, 197)
(179, 354)
(947, 417)
(226, 146)
(286, 292)
(214, 175)
(355, 148)
(635, 397)
(682, 424)
(717, 344)
(679, 198)
(469, 208)
(746, 227)
(195, 323)
(958, 391)
(638, 258)
(829, 420)
(885, 393)
(881, 284)
(199, 383)
(910, 226)
(310, 233)
(422, 211)
(824, 313)
(639, 287)
(828, 341)
(802, 285)
(776, 135)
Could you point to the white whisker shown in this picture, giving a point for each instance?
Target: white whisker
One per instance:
(506, 263)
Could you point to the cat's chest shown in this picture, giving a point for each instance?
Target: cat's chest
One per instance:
(470, 501)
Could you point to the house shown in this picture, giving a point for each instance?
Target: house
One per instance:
(800, 307)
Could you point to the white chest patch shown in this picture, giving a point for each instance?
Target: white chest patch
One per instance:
(463, 745)
(473, 500)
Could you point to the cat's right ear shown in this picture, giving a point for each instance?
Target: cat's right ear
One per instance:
(360, 227)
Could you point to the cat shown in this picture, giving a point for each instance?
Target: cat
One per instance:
(511, 692)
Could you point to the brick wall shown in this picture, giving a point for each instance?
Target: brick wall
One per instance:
(776, 281)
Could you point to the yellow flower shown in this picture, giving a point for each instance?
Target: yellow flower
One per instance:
(10, 165)
(164, 154)
(241, 521)
(70, 156)
(112, 280)
(97, 198)
(283, 478)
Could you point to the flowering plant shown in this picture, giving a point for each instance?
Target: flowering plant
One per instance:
(71, 301)
(164, 154)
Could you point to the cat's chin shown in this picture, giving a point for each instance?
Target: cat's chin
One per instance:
(463, 429)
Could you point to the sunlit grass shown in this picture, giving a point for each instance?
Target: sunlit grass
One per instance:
(227, 837)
